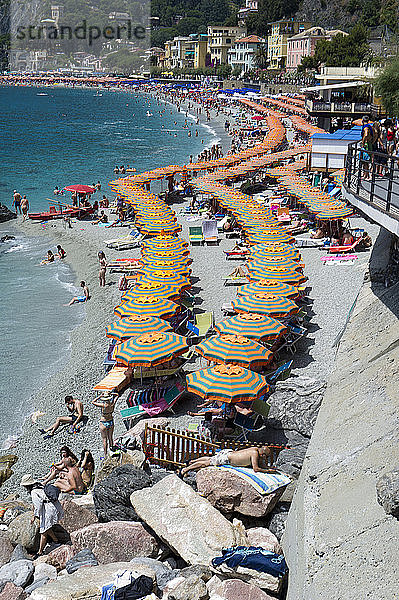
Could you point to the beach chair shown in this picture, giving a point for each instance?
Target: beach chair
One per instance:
(221, 223)
(237, 253)
(237, 277)
(295, 333)
(116, 380)
(195, 235)
(210, 231)
(282, 372)
(204, 323)
(164, 403)
(246, 424)
(227, 309)
(132, 240)
(342, 249)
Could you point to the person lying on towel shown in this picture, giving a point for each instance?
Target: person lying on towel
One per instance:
(249, 457)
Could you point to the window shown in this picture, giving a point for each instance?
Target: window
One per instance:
(228, 40)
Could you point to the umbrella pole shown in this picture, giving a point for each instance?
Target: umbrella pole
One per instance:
(156, 383)
(141, 375)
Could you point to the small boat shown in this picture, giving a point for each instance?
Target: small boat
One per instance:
(52, 213)
(41, 94)
(149, 114)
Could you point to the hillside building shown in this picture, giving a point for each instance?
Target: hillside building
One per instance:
(304, 44)
(242, 54)
(277, 41)
(220, 40)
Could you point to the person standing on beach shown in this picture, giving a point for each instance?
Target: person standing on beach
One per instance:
(106, 402)
(17, 202)
(49, 513)
(103, 268)
(25, 206)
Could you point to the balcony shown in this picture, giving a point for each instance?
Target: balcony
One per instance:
(315, 107)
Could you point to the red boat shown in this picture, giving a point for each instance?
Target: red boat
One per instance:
(52, 213)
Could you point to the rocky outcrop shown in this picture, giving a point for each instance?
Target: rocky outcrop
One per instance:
(230, 494)
(257, 578)
(8, 460)
(234, 589)
(6, 214)
(12, 592)
(112, 495)
(186, 588)
(116, 541)
(262, 537)
(84, 558)
(388, 492)
(76, 517)
(22, 531)
(19, 572)
(6, 548)
(189, 524)
(136, 458)
(59, 557)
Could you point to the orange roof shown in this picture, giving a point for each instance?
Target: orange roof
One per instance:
(251, 38)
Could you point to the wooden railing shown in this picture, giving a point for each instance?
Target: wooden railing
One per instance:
(171, 448)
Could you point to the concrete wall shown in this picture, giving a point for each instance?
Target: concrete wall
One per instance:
(339, 542)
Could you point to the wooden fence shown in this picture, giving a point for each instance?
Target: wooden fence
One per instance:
(171, 448)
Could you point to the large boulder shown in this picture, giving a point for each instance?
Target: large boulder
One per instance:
(185, 521)
(84, 558)
(19, 553)
(111, 462)
(85, 583)
(277, 519)
(262, 537)
(22, 531)
(257, 578)
(388, 492)
(115, 541)
(112, 495)
(234, 589)
(295, 404)
(6, 214)
(227, 492)
(13, 510)
(59, 557)
(43, 571)
(19, 572)
(186, 588)
(12, 592)
(8, 460)
(6, 548)
(76, 517)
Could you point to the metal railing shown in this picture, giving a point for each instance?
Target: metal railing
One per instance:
(354, 107)
(373, 177)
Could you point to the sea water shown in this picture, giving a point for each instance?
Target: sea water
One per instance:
(66, 137)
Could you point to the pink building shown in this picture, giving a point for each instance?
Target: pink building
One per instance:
(304, 44)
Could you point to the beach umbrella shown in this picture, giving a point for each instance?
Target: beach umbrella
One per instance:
(235, 350)
(229, 383)
(159, 227)
(147, 305)
(166, 277)
(80, 189)
(253, 326)
(135, 325)
(160, 290)
(268, 286)
(276, 261)
(268, 237)
(165, 254)
(150, 349)
(278, 274)
(269, 251)
(165, 242)
(165, 265)
(269, 304)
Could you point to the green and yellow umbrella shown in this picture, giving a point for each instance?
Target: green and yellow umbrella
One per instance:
(229, 383)
(267, 304)
(150, 349)
(278, 274)
(235, 350)
(135, 325)
(253, 326)
(268, 286)
(147, 305)
(160, 290)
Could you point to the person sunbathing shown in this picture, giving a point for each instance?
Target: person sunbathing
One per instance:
(70, 479)
(83, 298)
(101, 219)
(75, 408)
(249, 457)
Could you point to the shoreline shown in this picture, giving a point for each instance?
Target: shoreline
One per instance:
(82, 367)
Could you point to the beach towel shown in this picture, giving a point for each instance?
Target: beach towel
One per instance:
(264, 483)
(252, 557)
(155, 408)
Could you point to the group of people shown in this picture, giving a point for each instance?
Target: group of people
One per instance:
(69, 475)
(50, 258)
(381, 138)
(21, 204)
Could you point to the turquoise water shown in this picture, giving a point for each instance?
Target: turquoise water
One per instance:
(65, 137)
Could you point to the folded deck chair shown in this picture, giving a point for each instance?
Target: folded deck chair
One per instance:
(195, 235)
(204, 323)
(131, 240)
(221, 223)
(165, 402)
(247, 424)
(115, 380)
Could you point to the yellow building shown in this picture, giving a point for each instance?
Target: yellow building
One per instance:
(220, 40)
(200, 51)
(277, 40)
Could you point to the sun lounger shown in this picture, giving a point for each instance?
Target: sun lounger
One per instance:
(222, 223)
(129, 241)
(341, 249)
(227, 309)
(202, 327)
(115, 380)
(345, 258)
(210, 231)
(237, 277)
(236, 253)
(195, 235)
(282, 372)
(146, 407)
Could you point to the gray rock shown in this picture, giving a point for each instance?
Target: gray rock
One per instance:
(12, 513)
(22, 531)
(388, 492)
(276, 523)
(201, 571)
(295, 404)
(44, 570)
(19, 572)
(84, 558)
(186, 588)
(290, 461)
(6, 214)
(36, 584)
(76, 517)
(112, 495)
(136, 458)
(189, 524)
(6, 548)
(19, 553)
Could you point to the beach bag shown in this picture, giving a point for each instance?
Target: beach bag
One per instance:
(52, 492)
(139, 588)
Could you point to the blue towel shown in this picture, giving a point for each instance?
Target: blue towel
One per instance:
(264, 483)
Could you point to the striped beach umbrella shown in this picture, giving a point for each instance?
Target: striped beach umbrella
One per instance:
(229, 383)
(268, 304)
(235, 350)
(278, 274)
(165, 265)
(160, 254)
(330, 215)
(268, 286)
(165, 242)
(147, 305)
(150, 349)
(135, 325)
(265, 251)
(253, 326)
(178, 259)
(160, 290)
(269, 237)
(159, 227)
(166, 277)
(277, 261)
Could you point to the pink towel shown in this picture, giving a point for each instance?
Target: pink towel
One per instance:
(155, 408)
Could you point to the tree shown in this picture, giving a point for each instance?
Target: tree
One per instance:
(223, 71)
(387, 87)
(261, 56)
